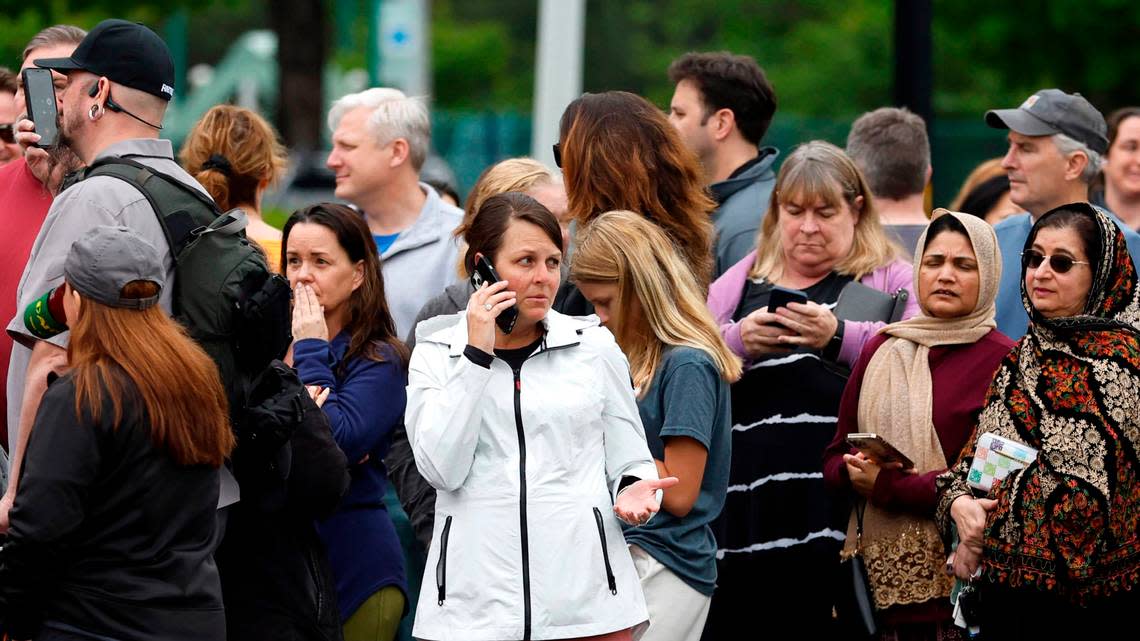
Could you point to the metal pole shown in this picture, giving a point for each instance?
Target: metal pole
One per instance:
(913, 56)
(558, 70)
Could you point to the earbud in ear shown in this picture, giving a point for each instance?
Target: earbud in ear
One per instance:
(94, 90)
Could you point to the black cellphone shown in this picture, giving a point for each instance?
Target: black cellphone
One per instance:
(781, 296)
(39, 98)
(485, 273)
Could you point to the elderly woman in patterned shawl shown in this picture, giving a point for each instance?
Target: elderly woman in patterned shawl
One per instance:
(909, 387)
(1057, 541)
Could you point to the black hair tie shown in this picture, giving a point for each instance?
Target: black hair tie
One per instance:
(219, 162)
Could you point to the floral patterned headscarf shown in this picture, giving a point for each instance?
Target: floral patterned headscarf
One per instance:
(1114, 300)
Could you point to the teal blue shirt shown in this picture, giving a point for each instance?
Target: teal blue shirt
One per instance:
(688, 398)
(384, 241)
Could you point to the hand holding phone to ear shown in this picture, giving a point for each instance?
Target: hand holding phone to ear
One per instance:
(483, 309)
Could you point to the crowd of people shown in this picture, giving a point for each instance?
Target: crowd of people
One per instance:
(625, 400)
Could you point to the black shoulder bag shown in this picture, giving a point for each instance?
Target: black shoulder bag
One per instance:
(854, 604)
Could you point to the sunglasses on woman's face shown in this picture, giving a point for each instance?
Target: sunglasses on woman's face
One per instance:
(557, 149)
(1059, 263)
(8, 133)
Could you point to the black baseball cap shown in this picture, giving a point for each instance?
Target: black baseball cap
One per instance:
(127, 53)
(1052, 111)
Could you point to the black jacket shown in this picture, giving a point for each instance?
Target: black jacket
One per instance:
(108, 535)
(275, 574)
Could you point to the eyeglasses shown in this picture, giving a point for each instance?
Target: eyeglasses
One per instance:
(557, 148)
(8, 133)
(1059, 263)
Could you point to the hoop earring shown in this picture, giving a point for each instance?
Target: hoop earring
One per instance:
(95, 113)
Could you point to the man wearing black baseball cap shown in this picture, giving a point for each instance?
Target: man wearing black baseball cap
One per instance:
(1056, 141)
(120, 79)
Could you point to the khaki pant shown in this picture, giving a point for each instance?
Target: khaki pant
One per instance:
(677, 612)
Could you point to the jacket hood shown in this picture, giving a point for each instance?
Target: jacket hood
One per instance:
(762, 170)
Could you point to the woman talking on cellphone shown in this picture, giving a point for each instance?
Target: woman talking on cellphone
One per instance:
(532, 440)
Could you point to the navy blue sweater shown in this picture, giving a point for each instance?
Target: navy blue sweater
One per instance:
(366, 401)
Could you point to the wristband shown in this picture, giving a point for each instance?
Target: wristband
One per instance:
(45, 316)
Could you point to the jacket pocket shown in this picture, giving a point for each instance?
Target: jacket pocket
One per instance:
(605, 551)
(441, 564)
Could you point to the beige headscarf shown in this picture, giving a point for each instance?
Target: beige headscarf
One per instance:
(904, 554)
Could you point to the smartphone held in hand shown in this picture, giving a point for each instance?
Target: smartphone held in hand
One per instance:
(485, 273)
(39, 98)
(878, 449)
(781, 296)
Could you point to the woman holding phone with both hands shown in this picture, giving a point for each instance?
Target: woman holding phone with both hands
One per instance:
(647, 296)
(780, 530)
(908, 387)
(533, 442)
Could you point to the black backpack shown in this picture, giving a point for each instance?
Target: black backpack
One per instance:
(224, 294)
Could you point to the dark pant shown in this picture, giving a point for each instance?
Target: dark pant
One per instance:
(1011, 614)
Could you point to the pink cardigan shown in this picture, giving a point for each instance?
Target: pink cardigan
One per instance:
(725, 293)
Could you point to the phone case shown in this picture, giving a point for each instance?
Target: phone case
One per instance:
(40, 104)
(781, 296)
(878, 449)
(484, 272)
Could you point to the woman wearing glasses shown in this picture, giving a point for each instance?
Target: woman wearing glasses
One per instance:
(1060, 538)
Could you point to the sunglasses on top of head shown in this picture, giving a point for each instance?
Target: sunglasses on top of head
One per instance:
(1059, 263)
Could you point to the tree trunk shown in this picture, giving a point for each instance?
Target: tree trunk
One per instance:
(302, 43)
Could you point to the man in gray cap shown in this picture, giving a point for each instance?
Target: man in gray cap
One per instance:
(1056, 141)
(120, 80)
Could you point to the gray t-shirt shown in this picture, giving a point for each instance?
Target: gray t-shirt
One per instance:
(688, 398)
(102, 200)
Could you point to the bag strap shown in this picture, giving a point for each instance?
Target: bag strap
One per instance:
(180, 231)
(860, 505)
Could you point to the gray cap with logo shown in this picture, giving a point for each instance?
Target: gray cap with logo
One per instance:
(106, 258)
(1052, 111)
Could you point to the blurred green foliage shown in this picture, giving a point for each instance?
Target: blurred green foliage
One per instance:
(825, 57)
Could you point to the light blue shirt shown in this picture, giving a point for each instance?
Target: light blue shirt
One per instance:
(1011, 235)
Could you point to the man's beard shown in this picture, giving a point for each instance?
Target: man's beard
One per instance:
(68, 130)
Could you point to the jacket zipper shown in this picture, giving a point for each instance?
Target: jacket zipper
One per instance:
(522, 504)
(311, 562)
(441, 565)
(605, 552)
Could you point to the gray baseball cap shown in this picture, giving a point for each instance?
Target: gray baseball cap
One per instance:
(105, 259)
(1052, 111)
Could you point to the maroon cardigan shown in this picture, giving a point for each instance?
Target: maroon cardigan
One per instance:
(960, 376)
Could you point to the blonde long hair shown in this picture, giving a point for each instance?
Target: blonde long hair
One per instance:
(512, 174)
(819, 169)
(627, 249)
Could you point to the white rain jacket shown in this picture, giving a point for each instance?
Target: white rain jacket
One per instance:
(526, 464)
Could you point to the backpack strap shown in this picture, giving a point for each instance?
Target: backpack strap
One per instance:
(178, 225)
